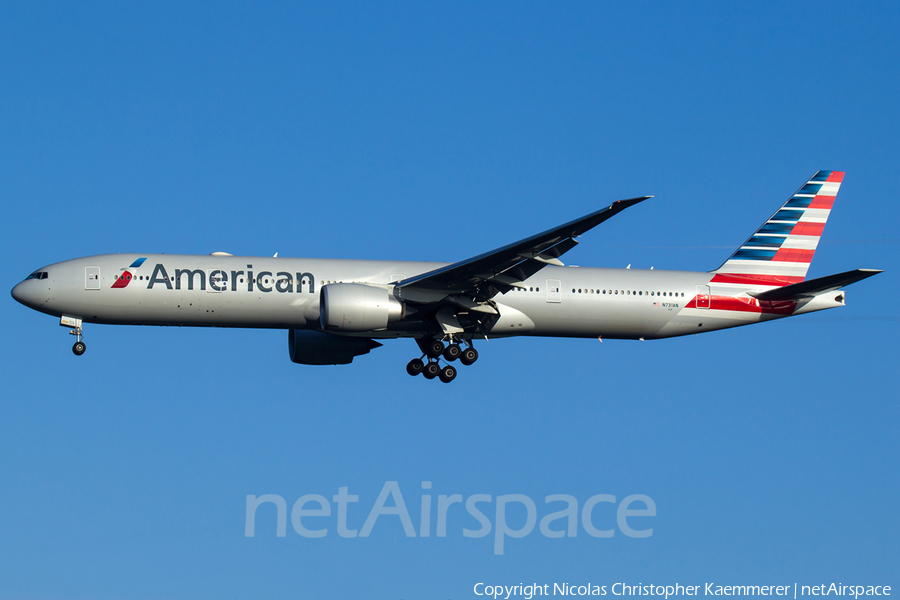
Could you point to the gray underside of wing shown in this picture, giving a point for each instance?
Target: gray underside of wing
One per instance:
(488, 274)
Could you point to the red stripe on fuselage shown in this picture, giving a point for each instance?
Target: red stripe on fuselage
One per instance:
(747, 304)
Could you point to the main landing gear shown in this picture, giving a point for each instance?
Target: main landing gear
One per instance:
(434, 350)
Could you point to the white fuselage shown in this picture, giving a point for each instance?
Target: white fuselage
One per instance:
(265, 292)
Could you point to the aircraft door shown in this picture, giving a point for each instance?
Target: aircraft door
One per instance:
(554, 291)
(92, 278)
(702, 296)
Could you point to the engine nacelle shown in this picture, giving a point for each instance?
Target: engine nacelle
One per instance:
(357, 307)
(318, 348)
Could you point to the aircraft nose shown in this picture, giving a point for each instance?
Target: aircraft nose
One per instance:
(25, 293)
(18, 293)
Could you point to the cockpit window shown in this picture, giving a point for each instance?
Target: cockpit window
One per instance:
(37, 275)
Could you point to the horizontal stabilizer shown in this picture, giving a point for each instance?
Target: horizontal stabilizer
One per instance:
(813, 287)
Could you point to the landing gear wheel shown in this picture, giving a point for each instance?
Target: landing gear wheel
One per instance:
(452, 352)
(435, 348)
(469, 356)
(431, 370)
(79, 348)
(448, 374)
(415, 366)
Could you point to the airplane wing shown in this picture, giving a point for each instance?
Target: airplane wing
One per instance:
(807, 289)
(486, 275)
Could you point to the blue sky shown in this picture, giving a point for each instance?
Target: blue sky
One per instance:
(432, 131)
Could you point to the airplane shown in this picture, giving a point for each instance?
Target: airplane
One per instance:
(335, 310)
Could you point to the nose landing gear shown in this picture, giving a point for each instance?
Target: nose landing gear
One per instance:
(74, 326)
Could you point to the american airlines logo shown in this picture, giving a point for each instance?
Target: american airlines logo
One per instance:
(125, 277)
(219, 280)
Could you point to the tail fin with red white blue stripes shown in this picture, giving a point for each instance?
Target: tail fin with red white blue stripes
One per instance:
(779, 252)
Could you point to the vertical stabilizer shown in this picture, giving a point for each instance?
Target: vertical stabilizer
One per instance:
(779, 252)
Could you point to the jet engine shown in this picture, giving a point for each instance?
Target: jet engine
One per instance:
(351, 307)
(317, 348)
